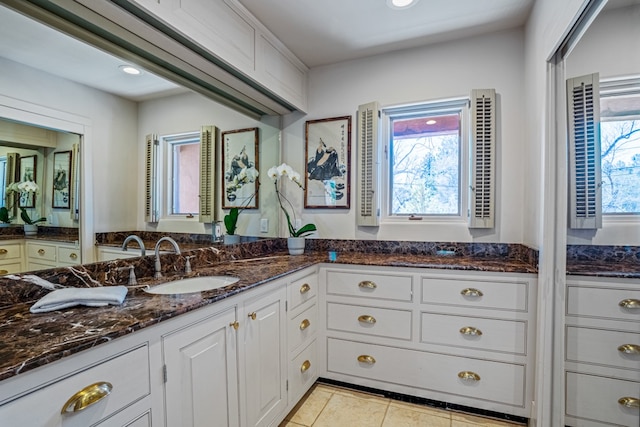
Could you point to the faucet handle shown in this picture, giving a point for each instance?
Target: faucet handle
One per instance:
(187, 264)
(132, 274)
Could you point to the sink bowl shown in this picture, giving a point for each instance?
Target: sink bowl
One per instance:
(194, 284)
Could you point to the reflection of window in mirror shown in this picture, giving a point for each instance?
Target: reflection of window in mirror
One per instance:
(3, 182)
(181, 189)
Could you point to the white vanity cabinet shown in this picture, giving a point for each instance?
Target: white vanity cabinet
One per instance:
(461, 337)
(11, 258)
(50, 254)
(602, 357)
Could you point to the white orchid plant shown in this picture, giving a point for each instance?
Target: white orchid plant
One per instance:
(22, 188)
(286, 171)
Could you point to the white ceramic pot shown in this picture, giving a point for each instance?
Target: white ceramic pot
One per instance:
(231, 239)
(296, 245)
(30, 229)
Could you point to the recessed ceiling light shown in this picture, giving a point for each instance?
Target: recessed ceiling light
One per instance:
(129, 69)
(431, 122)
(401, 4)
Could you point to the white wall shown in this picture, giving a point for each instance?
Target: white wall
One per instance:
(433, 72)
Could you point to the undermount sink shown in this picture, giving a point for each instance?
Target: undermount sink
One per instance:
(194, 284)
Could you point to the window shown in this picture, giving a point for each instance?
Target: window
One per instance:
(3, 179)
(426, 150)
(183, 160)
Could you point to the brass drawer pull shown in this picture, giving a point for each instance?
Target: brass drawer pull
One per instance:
(73, 255)
(304, 324)
(471, 292)
(470, 330)
(40, 251)
(365, 318)
(629, 303)
(235, 325)
(253, 315)
(305, 288)
(629, 402)
(629, 349)
(367, 284)
(365, 358)
(468, 376)
(3, 251)
(305, 366)
(87, 396)
(4, 271)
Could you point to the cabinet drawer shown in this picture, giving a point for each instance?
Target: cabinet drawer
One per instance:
(127, 373)
(302, 327)
(497, 382)
(371, 285)
(10, 251)
(603, 302)
(382, 322)
(596, 398)
(11, 267)
(69, 256)
(505, 336)
(303, 290)
(481, 293)
(39, 251)
(303, 371)
(600, 346)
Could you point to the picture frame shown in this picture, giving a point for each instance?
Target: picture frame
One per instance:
(240, 167)
(327, 163)
(27, 173)
(61, 180)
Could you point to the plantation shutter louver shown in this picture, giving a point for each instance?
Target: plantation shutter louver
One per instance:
(11, 175)
(74, 188)
(208, 135)
(583, 111)
(151, 213)
(483, 158)
(368, 213)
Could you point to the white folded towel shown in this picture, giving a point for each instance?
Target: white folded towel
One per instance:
(69, 297)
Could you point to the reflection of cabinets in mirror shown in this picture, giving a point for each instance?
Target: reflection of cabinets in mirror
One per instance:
(11, 259)
(49, 254)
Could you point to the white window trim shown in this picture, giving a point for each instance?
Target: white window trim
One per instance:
(443, 105)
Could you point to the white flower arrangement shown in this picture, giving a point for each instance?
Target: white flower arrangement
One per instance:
(21, 188)
(284, 170)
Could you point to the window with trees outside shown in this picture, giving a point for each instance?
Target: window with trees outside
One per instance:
(182, 185)
(425, 152)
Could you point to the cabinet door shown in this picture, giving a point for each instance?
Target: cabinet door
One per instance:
(201, 387)
(265, 358)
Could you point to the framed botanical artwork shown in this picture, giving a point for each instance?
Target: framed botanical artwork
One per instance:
(240, 184)
(27, 173)
(327, 168)
(61, 185)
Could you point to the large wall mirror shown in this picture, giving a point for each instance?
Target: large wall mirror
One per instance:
(44, 69)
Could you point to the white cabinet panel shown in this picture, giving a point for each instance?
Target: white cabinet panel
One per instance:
(601, 346)
(603, 302)
(367, 320)
(394, 287)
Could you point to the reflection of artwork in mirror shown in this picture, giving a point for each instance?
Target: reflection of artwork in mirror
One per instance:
(27, 173)
(327, 148)
(61, 188)
(240, 168)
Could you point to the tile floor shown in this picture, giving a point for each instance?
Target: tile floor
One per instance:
(330, 406)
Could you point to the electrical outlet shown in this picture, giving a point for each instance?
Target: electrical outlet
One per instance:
(264, 225)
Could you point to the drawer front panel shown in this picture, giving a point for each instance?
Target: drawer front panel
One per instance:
(481, 293)
(38, 251)
(69, 255)
(302, 327)
(128, 374)
(303, 371)
(303, 290)
(360, 319)
(10, 252)
(596, 398)
(498, 382)
(505, 336)
(603, 347)
(11, 267)
(603, 303)
(370, 285)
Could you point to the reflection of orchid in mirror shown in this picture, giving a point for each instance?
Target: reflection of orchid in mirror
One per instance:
(21, 189)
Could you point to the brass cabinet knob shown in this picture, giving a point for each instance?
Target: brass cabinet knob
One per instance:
(305, 288)
(4, 271)
(367, 284)
(365, 318)
(365, 358)
(253, 315)
(73, 255)
(471, 292)
(235, 325)
(629, 349)
(304, 324)
(470, 330)
(40, 251)
(468, 376)
(87, 396)
(629, 303)
(3, 251)
(305, 366)
(629, 402)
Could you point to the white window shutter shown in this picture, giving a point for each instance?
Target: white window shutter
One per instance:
(208, 136)
(151, 213)
(583, 111)
(483, 158)
(368, 199)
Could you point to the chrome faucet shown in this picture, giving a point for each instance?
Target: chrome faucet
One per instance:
(176, 248)
(138, 240)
